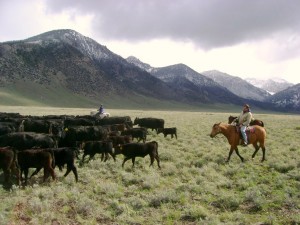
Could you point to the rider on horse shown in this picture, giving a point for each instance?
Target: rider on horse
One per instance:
(244, 120)
(101, 109)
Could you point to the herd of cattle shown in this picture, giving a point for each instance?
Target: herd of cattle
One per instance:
(44, 142)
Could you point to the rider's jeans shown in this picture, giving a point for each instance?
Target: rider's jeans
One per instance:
(243, 131)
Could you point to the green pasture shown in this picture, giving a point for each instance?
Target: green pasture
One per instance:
(194, 185)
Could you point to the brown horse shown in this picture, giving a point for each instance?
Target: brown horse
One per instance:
(257, 135)
(253, 122)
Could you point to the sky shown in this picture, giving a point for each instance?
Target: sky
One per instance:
(249, 39)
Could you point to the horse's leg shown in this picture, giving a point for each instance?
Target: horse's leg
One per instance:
(256, 150)
(264, 152)
(230, 153)
(237, 152)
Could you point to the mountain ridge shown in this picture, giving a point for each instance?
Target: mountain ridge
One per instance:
(66, 62)
(237, 86)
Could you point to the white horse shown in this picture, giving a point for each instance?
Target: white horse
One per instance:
(101, 116)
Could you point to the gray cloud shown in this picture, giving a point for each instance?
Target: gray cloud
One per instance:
(208, 24)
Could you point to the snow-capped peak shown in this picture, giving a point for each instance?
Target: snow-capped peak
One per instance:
(84, 44)
(139, 63)
(272, 85)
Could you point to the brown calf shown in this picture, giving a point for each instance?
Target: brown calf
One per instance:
(8, 163)
(37, 158)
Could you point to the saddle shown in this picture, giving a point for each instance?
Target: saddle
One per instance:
(249, 130)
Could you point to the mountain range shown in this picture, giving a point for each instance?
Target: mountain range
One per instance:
(65, 68)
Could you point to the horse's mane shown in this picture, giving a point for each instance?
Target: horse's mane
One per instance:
(223, 124)
(227, 126)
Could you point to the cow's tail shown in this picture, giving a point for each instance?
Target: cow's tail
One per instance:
(53, 158)
(156, 147)
(16, 158)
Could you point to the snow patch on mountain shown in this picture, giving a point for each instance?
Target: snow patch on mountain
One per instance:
(237, 85)
(140, 64)
(84, 44)
(272, 85)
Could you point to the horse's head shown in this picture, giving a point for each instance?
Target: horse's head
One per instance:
(215, 130)
(231, 119)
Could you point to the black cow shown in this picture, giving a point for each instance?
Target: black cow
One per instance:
(35, 125)
(7, 116)
(37, 158)
(115, 120)
(41, 125)
(139, 133)
(8, 163)
(56, 127)
(166, 131)
(74, 135)
(27, 140)
(104, 148)
(65, 155)
(78, 121)
(8, 127)
(118, 127)
(151, 123)
(132, 150)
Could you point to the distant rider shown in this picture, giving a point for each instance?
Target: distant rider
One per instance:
(101, 109)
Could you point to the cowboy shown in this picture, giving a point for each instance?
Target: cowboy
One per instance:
(101, 109)
(244, 120)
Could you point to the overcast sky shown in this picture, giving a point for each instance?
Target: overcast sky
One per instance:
(256, 38)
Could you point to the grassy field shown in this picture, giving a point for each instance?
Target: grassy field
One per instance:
(194, 185)
(24, 93)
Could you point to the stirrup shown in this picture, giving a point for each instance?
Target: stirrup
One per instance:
(244, 143)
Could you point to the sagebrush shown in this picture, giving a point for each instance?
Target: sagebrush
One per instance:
(194, 185)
